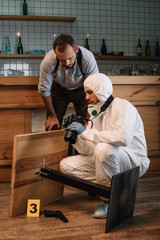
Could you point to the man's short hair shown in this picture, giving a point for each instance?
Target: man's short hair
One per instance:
(62, 40)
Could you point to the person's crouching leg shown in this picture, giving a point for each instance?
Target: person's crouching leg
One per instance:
(79, 166)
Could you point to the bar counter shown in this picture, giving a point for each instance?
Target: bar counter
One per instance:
(19, 96)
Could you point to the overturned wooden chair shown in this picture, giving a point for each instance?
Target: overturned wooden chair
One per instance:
(41, 153)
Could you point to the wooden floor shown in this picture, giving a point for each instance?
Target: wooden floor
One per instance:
(77, 206)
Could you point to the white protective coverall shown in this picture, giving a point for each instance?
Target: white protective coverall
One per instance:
(115, 143)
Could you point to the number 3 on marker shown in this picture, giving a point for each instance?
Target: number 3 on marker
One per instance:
(33, 208)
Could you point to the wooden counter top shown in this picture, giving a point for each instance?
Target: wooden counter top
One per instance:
(23, 90)
(33, 80)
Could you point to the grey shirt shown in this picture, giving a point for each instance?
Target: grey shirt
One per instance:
(68, 78)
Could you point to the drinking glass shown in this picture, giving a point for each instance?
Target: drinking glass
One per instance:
(155, 67)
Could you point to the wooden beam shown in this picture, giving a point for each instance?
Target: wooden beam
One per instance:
(37, 18)
(116, 80)
(19, 80)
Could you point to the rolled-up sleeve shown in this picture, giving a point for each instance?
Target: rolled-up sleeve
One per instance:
(46, 79)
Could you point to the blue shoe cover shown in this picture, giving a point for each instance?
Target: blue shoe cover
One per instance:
(101, 211)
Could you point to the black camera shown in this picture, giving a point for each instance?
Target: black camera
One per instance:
(71, 136)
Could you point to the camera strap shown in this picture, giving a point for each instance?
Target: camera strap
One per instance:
(105, 106)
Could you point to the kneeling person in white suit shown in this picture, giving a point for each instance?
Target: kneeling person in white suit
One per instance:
(113, 140)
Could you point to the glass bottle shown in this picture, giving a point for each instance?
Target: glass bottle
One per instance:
(20, 47)
(148, 51)
(139, 48)
(25, 8)
(157, 50)
(134, 70)
(87, 44)
(103, 48)
(7, 46)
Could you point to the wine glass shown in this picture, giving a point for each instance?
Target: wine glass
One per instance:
(155, 67)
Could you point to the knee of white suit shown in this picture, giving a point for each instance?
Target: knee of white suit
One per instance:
(79, 166)
(64, 166)
(105, 156)
(104, 150)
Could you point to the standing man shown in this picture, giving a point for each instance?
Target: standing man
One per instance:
(62, 73)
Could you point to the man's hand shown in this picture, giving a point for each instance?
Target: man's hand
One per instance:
(52, 118)
(50, 122)
(77, 127)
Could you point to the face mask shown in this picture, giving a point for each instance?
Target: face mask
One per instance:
(93, 110)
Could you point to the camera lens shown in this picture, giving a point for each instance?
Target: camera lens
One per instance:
(70, 136)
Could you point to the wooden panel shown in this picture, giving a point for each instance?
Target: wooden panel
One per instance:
(137, 93)
(116, 80)
(135, 80)
(20, 97)
(24, 94)
(5, 170)
(27, 121)
(5, 174)
(12, 123)
(18, 80)
(29, 153)
(151, 119)
(154, 163)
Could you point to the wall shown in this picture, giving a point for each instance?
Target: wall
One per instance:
(120, 22)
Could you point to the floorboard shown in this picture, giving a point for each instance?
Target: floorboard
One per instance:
(78, 207)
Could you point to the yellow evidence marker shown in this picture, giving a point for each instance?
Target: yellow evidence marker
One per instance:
(33, 208)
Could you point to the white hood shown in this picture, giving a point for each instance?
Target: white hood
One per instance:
(101, 85)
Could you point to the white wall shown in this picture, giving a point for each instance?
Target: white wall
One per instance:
(120, 22)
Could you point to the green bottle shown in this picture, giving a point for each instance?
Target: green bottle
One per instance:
(103, 48)
(139, 48)
(87, 44)
(20, 47)
(148, 51)
(25, 8)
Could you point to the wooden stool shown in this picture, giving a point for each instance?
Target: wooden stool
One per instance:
(122, 193)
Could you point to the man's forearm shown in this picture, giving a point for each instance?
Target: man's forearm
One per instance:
(49, 105)
(52, 121)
